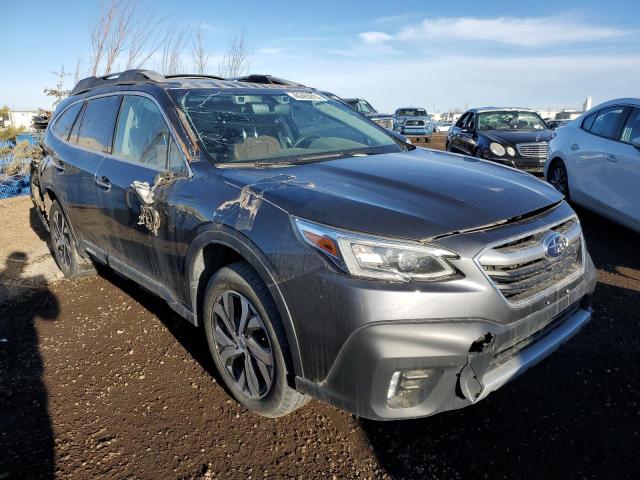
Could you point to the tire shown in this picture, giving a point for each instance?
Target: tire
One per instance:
(247, 341)
(65, 252)
(558, 178)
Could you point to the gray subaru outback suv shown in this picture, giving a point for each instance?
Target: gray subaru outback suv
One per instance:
(322, 256)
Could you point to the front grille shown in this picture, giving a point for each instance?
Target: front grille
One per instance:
(521, 268)
(517, 344)
(384, 122)
(533, 150)
(414, 123)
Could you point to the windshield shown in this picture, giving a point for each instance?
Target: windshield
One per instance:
(510, 120)
(412, 112)
(278, 127)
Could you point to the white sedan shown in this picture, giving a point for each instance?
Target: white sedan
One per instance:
(595, 161)
(442, 128)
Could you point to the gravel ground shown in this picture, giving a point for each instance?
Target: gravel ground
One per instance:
(100, 379)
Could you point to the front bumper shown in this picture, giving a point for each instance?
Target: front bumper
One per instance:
(467, 335)
(531, 165)
(466, 357)
(419, 131)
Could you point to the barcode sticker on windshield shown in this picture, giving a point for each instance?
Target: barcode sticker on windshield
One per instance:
(307, 96)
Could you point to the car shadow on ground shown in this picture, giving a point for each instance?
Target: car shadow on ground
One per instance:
(191, 338)
(572, 416)
(26, 436)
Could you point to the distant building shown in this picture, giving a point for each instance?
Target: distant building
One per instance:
(21, 118)
(568, 115)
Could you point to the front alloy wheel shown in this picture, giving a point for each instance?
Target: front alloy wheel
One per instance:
(247, 341)
(243, 345)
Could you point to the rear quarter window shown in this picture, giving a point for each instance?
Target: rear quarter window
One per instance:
(63, 124)
(587, 123)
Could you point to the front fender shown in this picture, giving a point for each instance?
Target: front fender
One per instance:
(243, 246)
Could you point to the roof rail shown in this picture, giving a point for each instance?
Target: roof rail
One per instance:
(266, 79)
(193, 75)
(127, 77)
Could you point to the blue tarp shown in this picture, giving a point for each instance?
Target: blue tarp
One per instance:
(12, 186)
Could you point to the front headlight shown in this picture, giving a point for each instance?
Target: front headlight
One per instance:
(497, 149)
(376, 257)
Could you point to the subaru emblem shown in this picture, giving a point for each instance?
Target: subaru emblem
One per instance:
(554, 244)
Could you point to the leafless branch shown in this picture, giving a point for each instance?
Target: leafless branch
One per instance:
(236, 59)
(199, 53)
(76, 73)
(146, 40)
(172, 49)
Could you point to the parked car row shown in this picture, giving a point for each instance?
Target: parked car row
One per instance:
(323, 256)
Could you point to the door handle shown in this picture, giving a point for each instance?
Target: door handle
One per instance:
(103, 182)
(574, 146)
(611, 157)
(58, 165)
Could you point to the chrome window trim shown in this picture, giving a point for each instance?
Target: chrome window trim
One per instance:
(538, 296)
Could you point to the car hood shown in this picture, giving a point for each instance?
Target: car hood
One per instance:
(513, 137)
(416, 195)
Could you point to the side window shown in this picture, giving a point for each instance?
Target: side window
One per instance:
(176, 163)
(607, 122)
(97, 123)
(63, 124)
(470, 121)
(142, 135)
(631, 130)
(587, 123)
(462, 120)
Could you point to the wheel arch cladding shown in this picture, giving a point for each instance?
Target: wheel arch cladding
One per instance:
(222, 248)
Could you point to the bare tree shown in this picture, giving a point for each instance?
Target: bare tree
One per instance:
(76, 73)
(199, 52)
(122, 28)
(99, 33)
(236, 59)
(123, 25)
(172, 50)
(58, 92)
(146, 40)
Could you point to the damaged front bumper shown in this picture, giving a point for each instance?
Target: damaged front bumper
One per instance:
(400, 370)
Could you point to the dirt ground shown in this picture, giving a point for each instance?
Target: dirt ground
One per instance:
(100, 379)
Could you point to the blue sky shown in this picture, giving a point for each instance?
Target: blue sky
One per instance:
(419, 53)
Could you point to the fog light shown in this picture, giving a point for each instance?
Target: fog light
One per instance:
(393, 384)
(408, 388)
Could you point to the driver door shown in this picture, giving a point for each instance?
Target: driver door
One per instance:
(467, 139)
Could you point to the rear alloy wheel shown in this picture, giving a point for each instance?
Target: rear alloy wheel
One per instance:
(557, 177)
(63, 244)
(247, 341)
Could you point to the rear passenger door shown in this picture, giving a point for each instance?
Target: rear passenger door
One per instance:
(137, 181)
(621, 172)
(591, 155)
(76, 165)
